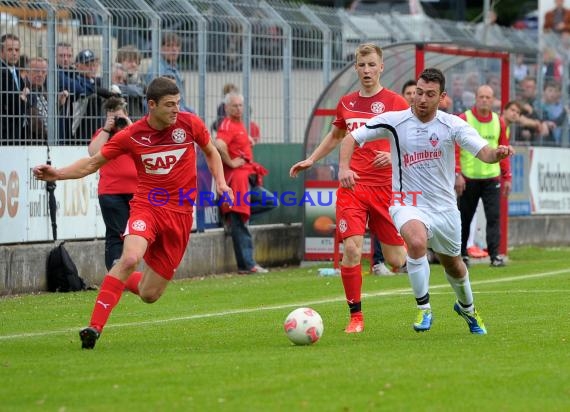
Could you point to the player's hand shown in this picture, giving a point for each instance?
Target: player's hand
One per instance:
(300, 166)
(45, 172)
(382, 159)
(347, 178)
(503, 152)
(226, 192)
(459, 184)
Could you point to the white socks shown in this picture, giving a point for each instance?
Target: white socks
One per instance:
(418, 273)
(462, 289)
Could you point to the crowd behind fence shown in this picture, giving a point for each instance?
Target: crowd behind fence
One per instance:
(73, 54)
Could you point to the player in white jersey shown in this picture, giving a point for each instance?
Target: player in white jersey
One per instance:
(424, 207)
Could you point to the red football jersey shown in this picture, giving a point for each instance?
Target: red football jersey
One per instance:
(354, 111)
(165, 160)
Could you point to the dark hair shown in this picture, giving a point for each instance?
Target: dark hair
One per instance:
(169, 39)
(114, 103)
(409, 83)
(513, 103)
(434, 75)
(160, 87)
(8, 36)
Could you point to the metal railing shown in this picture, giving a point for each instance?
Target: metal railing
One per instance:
(281, 55)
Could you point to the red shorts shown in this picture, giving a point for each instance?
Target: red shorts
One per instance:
(366, 206)
(167, 233)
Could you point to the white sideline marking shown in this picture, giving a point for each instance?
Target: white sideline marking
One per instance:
(393, 292)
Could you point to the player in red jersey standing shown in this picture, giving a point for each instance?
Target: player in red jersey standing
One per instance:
(368, 202)
(163, 146)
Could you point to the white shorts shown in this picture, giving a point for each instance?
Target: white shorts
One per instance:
(443, 227)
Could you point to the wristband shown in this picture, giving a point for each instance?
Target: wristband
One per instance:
(107, 131)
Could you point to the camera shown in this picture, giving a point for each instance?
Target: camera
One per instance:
(120, 123)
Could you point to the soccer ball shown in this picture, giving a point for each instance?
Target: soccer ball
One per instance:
(303, 326)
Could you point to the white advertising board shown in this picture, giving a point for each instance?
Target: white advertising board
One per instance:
(24, 214)
(549, 180)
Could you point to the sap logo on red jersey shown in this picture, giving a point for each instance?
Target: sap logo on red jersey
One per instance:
(161, 163)
(355, 123)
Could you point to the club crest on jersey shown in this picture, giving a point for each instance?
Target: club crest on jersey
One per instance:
(342, 225)
(179, 135)
(139, 225)
(434, 140)
(377, 107)
(161, 163)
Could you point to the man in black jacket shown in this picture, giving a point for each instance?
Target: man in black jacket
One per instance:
(12, 103)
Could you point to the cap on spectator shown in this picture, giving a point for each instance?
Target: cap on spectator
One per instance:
(85, 56)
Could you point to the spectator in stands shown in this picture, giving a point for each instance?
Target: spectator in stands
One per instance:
(221, 110)
(12, 102)
(170, 47)
(242, 175)
(132, 85)
(521, 69)
(553, 113)
(65, 74)
(456, 94)
(476, 180)
(254, 132)
(552, 65)
(557, 20)
(511, 115)
(409, 91)
(472, 83)
(64, 56)
(87, 96)
(37, 100)
(117, 180)
(531, 123)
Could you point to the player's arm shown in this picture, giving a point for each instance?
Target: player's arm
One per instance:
(327, 145)
(225, 155)
(489, 155)
(102, 135)
(76, 170)
(214, 161)
(346, 176)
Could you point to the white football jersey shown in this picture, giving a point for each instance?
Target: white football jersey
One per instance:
(423, 155)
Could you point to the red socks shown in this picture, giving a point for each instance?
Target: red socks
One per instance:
(107, 299)
(352, 282)
(132, 283)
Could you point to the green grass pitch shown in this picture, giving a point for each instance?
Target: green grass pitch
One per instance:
(217, 344)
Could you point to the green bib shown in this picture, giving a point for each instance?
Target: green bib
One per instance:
(472, 167)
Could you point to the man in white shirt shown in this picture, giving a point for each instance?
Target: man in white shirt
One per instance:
(424, 206)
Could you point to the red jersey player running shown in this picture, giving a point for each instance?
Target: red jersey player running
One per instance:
(368, 202)
(162, 145)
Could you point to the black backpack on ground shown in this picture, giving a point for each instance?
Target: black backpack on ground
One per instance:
(62, 274)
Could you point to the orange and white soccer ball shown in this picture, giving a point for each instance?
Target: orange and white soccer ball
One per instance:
(304, 326)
